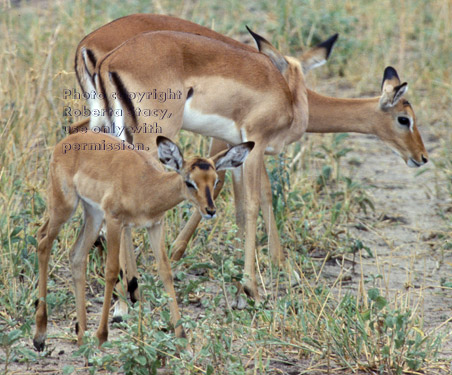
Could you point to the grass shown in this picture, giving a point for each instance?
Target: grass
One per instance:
(321, 325)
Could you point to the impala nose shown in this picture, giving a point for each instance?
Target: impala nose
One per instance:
(424, 159)
(211, 211)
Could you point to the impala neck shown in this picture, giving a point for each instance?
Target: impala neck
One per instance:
(164, 192)
(332, 115)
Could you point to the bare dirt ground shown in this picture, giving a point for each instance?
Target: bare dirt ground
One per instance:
(404, 232)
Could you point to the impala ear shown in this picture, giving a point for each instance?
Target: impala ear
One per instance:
(390, 77)
(169, 154)
(267, 49)
(391, 88)
(234, 157)
(317, 56)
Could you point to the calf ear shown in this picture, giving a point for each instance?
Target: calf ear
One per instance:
(169, 154)
(234, 157)
(317, 56)
(391, 88)
(265, 47)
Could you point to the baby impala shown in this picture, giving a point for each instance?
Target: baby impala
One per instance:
(124, 187)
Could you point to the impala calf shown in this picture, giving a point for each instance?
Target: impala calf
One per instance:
(114, 186)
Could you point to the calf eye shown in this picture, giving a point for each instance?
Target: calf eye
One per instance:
(190, 185)
(405, 121)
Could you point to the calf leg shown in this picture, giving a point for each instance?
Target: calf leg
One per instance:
(78, 256)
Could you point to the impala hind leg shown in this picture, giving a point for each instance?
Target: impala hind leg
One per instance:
(78, 258)
(128, 282)
(46, 235)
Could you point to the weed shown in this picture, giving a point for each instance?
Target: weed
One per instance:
(317, 200)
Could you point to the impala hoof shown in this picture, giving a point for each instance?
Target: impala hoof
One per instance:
(117, 319)
(239, 303)
(39, 343)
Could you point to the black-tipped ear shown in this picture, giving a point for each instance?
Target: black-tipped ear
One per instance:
(390, 76)
(317, 55)
(169, 154)
(257, 38)
(265, 47)
(328, 45)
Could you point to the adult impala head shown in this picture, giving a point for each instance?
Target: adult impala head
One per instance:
(402, 134)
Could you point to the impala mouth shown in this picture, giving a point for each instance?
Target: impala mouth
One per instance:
(413, 163)
(208, 216)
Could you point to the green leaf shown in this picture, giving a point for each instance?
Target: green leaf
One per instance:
(381, 302)
(141, 360)
(14, 336)
(373, 294)
(32, 240)
(209, 370)
(68, 369)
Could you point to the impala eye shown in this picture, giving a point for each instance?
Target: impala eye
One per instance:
(405, 121)
(190, 185)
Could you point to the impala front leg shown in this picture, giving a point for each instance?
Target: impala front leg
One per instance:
(111, 274)
(181, 242)
(252, 180)
(157, 241)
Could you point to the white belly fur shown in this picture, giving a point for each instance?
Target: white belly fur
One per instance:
(210, 125)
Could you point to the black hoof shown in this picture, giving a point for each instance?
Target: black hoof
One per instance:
(117, 319)
(39, 344)
(131, 288)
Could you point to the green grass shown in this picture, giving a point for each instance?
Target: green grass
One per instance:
(316, 199)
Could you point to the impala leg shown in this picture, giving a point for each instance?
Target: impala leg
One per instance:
(111, 274)
(129, 275)
(131, 266)
(46, 235)
(181, 242)
(78, 257)
(252, 177)
(239, 201)
(157, 241)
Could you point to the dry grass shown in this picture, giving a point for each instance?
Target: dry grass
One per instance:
(300, 328)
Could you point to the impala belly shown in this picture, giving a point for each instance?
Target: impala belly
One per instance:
(210, 125)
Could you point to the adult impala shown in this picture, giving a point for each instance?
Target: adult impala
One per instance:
(137, 194)
(325, 118)
(93, 47)
(390, 117)
(226, 92)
